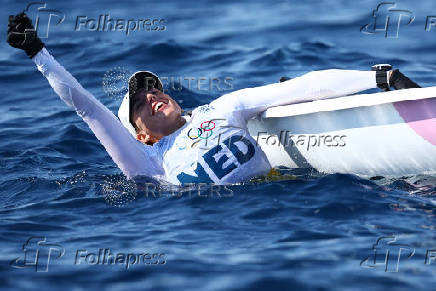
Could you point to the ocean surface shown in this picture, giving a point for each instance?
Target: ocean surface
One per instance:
(70, 220)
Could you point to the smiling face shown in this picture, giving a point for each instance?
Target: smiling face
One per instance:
(154, 115)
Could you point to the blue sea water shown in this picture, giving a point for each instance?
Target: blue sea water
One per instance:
(58, 185)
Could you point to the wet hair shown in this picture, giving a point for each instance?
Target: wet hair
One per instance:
(133, 99)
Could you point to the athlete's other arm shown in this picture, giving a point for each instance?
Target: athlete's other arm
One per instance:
(309, 87)
(126, 152)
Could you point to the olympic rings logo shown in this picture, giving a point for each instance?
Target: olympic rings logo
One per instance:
(204, 131)
(194, 136)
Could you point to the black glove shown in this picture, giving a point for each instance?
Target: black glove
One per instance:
(399, 81)
(22, 35)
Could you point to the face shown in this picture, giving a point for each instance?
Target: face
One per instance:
(156, 115)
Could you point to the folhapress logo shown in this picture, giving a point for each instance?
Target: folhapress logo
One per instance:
(37, 254)
(387, 253)
(387, 19)
(43, 17)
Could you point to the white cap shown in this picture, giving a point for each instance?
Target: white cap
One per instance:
(138, 80)
(124, 115)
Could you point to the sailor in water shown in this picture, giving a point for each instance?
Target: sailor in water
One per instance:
(151, 137)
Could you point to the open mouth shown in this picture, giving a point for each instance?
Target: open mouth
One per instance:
(157, 106)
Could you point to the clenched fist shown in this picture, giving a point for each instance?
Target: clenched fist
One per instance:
(22, 35)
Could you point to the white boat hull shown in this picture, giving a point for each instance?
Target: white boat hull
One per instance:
(344, 135)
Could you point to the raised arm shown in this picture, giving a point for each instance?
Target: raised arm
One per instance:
(311, 86)
(132, 157)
